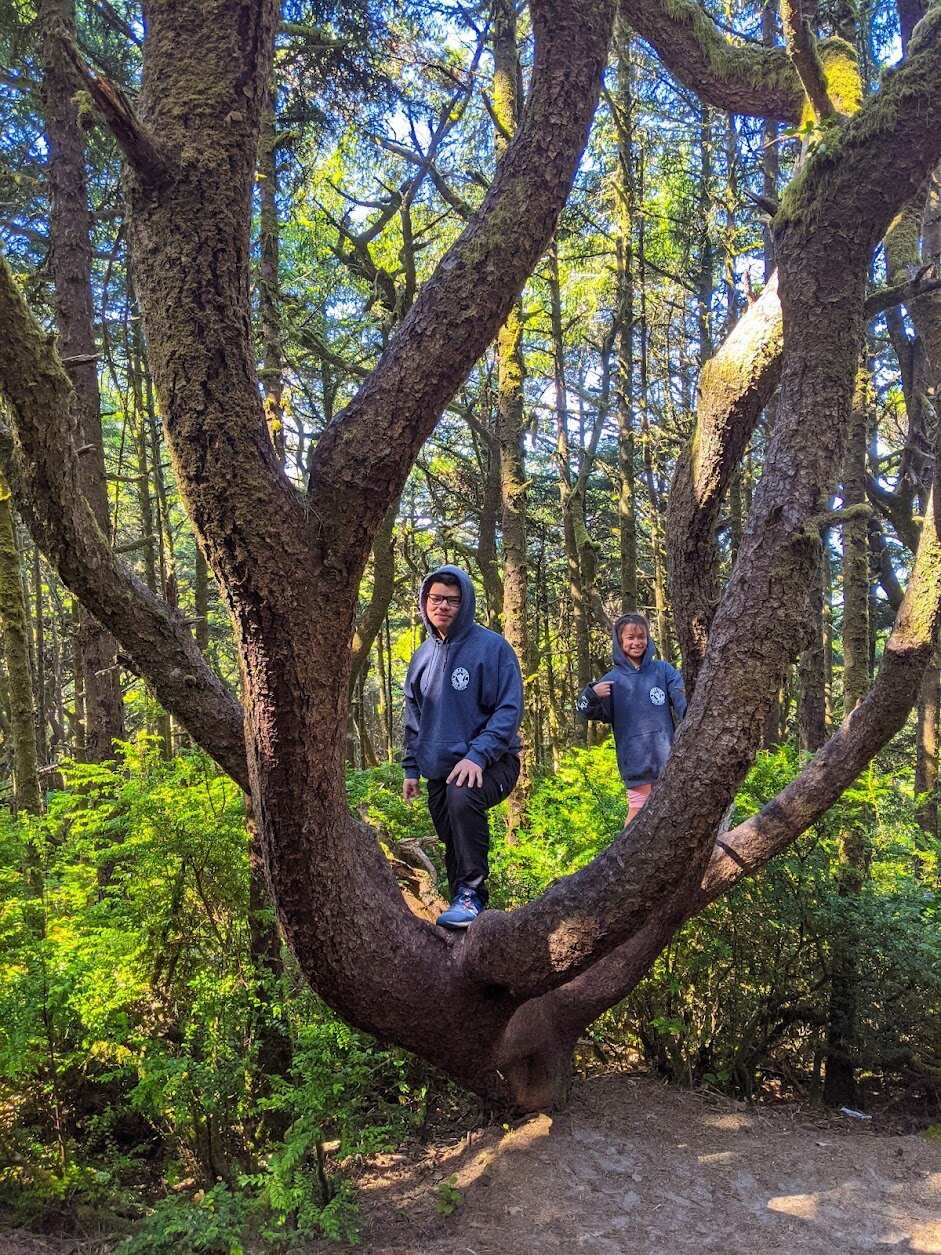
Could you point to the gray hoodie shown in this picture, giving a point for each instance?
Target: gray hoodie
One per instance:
(463, 695)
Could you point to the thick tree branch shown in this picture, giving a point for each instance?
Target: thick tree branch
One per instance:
(45, 477)
(738, 77)
(734, 387)
(901, 294)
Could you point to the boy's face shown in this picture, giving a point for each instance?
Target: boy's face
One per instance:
(633, 640)
(442, 604)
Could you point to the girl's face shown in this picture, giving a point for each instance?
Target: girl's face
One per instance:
(633, 640)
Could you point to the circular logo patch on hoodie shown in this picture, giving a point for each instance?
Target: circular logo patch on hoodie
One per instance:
(460, 678)
(657, 696)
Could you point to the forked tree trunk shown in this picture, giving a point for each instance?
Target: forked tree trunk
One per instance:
(499, 1008)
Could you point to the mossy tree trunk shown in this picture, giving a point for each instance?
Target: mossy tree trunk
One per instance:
(27, 794)
(622, 107)
(511, 421)
(839, 1087)
(71, 264)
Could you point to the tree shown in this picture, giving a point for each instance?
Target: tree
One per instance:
(501, 1009)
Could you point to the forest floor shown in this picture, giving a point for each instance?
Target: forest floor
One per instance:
(636, 1165)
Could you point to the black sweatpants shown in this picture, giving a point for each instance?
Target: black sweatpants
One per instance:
(459, 814)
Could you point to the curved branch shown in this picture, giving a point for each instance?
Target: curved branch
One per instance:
(741, 78)
(44, 475)
(734, 387)
(802, 46)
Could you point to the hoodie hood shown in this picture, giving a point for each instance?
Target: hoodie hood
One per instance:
(620, 658)
(464, 619)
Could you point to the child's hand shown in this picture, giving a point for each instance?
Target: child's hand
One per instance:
(602, 688)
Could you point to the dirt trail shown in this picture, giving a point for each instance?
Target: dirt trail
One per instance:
(635, 1166)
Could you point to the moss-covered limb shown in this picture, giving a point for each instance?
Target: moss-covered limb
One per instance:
(45, 475)
(734, 387)
(900, 294)
(742, 78)
(864, 171)
(27, 793)
(802, 46)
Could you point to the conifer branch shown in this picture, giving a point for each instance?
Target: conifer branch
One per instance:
(140, 148)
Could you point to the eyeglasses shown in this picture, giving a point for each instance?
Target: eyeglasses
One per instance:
(439, 599)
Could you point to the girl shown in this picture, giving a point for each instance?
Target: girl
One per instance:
(639, 697)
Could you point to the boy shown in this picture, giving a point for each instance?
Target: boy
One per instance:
(463, 705)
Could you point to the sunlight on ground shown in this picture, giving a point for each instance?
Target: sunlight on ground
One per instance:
(803, 1206)
(732, 1122)
(926, 1238)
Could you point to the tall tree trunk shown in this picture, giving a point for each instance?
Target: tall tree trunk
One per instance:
(269, 284)
(926, 763)
(623, 112)
(78, 683)
(578, 599)
(511, 371)
(39, 652)
(812, 674)
(839, 1086)
(769, 148)
(662, 627)
(201, 600)
(71, 264)
(27, 795)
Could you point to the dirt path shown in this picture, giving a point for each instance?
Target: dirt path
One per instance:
(634, 1166)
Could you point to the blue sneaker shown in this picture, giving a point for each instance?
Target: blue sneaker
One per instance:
(463, 910)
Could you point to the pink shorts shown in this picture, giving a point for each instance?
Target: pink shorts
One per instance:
(637, 797)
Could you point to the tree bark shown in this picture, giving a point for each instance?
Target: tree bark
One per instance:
(624, 317)
(27, 794)
(269, 283)
(511, 373)
(71, 264)
(839, 1088)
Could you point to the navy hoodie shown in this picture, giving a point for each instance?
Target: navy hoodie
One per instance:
(463, 695)
(640, 707)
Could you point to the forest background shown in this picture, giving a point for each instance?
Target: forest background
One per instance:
(154, 1031)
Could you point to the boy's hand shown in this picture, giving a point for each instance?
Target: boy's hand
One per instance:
(411, 789)
(602, 688)
(466, 772)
